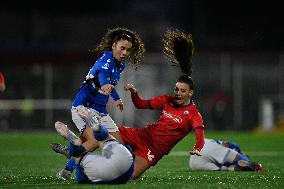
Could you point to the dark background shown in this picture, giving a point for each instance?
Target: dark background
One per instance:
(44, 54)
(222, 25)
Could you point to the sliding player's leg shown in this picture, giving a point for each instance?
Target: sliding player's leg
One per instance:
(65, 174)
(65, 132)
(243, 163)
(60, 148)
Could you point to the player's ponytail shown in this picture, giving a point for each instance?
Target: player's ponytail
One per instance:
(178, 48)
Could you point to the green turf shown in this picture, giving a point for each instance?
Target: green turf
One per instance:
(26, 161)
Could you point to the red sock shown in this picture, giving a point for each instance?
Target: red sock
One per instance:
(83, 139)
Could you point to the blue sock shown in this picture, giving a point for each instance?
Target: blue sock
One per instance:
(70, 166)
(241, 157)
(81, 177)
(102, 134)
(75, 150)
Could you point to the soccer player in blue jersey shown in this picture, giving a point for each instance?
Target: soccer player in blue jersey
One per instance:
(116, 163)
(222, 156)
(118, 46)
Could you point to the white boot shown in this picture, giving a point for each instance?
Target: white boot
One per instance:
(63, 130)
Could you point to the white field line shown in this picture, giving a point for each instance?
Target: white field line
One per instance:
(184, 153)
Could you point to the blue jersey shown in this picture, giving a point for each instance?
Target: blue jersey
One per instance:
(104, 71)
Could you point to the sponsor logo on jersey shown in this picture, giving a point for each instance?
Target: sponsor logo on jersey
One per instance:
(175, 118)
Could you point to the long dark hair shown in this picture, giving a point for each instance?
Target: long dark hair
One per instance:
(116, 34)
(178, 48)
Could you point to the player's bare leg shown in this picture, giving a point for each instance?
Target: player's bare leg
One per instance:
(90, 120)
(92, 124)
(140, 166)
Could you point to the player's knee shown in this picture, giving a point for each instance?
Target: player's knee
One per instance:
(102, 134)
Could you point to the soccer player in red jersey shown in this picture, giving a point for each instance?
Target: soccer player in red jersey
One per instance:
(179, 115)
(2, 83)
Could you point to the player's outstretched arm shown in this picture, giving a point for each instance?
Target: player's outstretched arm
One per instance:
(136, 99)
(199, 135)
(130, 87)
(195, 152)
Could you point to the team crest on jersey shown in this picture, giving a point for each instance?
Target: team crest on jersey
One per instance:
(150, 156)
(185, 112)
(106, 65)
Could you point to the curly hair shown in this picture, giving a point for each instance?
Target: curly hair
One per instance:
(113, 35)
(178, 48)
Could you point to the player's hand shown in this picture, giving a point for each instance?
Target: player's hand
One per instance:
(107, 88)
(130, 87)
(120, 104)
(195, 152)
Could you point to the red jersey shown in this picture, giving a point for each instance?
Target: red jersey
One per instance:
(172, 126)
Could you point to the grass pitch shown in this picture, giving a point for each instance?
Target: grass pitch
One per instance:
(26, 161)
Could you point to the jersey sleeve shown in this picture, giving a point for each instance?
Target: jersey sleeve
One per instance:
(197, 120)
(139, 102)
(114, 94)
(199, 138)
(155, 103)
(198, 127)
(101, 70)
(102, 76)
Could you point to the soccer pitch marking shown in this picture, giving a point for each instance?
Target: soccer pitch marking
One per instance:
(184, 153)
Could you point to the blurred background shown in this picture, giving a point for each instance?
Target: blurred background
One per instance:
(238, 66)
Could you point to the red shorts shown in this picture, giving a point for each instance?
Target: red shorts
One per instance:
(140, 143)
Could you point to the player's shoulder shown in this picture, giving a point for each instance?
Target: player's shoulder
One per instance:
(106, 55)
(192, 108)
(161, 99)
(105, 61)
(165, 98)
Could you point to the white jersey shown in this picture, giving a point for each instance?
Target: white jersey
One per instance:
(213, 156)
(115, 161)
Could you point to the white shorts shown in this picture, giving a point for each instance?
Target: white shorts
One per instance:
(213, 156)
(114, 162)
(105, 120)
